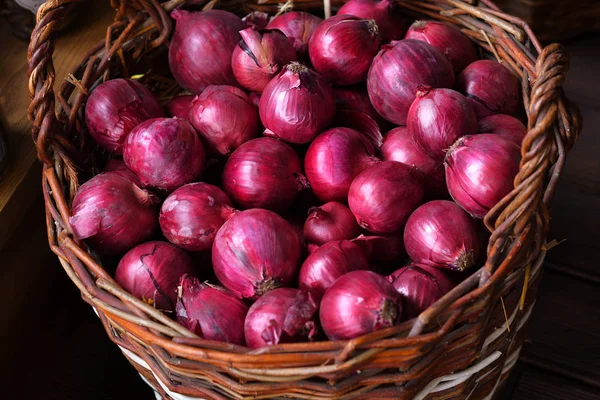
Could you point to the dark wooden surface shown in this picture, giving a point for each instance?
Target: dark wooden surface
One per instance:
(52, 346)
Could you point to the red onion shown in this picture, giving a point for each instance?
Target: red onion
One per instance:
(504, 125)
(383, 249)
(399, 70)
(332, 221)
(211, 312)
(443, 235)
(224, 117)
(384, 12)
(255, 251)
(361, 122)
(446, 38)
(383, 197)
(119, 167)
(115, 107)
(420, 286)
(151, 271)
(437, 118)
(399, 146)
(254, 98)
(342, 48)
(260, 56)
(296, 105)
(297, 26)
(113, 214)
(356, 98)
(179, 106)
(491, 87)
(329, 262)
(257, 20)
(264, 173)
(281, 316)
(164, 153)
(358, 303)
(200, 51)
(191, 216)
(480, 170)
(334, 159)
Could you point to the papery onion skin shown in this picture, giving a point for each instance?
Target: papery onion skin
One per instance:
(356, 98)
(298, 26)
(151, 272)
(399, 70)
(264, 173)
(255, 251)
(297, 105)
(115, 107)
(383, 196)
(201, 47)
(385, 13)
(334, 159)
(179, 106)
(116, 165)
(447, 39)
(399, 146)
(442, 235)
(330, 222)
(420, 286)
(260, 56)
(504, 125)
(113, 214)
(164, 153)
(491, 87)
(280, 316)
(224, 117)
(358, 303)
(437, 118)
(327, 263)
(342, 48)
(211, 312)
(480, 170)
(191, 216)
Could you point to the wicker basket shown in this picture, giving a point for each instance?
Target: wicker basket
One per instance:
(464, 346)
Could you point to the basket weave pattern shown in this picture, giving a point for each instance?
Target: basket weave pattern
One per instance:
(463, 346)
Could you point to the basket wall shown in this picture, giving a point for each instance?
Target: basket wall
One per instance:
(463, 346)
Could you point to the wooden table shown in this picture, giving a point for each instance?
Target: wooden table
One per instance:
(53, 346)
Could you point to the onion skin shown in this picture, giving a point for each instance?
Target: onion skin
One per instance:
(437, 118)
(115, 107)
(358, 303)
(257, 20)
(399, 70)
(361, 122)
(213, 34)
(191, 216)
(179, 106)
(382, 249)
(327, 263)
(118, 166)
(113, 214)
(264, 173)
(297, 105)
(330, 222)
(211, 312)
(447, 39)
(385, 13)
(282, 315)
(255, 251)
(399, 146)
(383, 197)
(334, 159)
(298, 26)
(491, 87)
(165, 153)
(260, 56)
(480, 170)
(504, 125)
(442, 235)
(151, 272)
(342, 48)
(420, 286)
(224, 117)
(356, 98)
